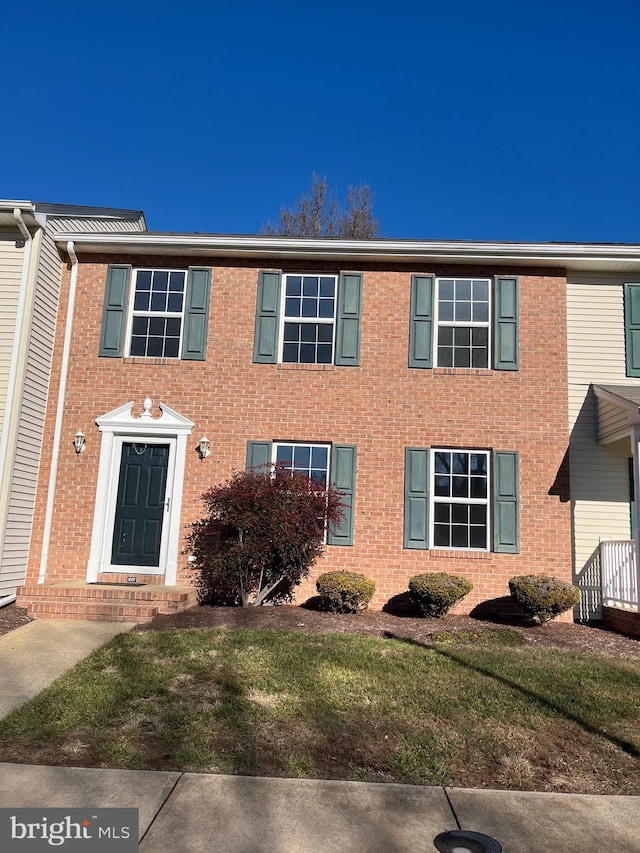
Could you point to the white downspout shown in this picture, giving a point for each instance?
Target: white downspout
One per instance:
(15, 352)
(57, 434)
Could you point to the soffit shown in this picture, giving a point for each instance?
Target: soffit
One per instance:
(8, 220)
(618, 411)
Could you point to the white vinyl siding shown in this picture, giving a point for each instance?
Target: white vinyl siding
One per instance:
(595, 326)
(612, 420)
(23, 457)
(599, 472)
(10, 277)
(91, 224)
(28, 443)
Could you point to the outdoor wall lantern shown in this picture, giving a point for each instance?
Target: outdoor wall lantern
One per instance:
(79, 442)
(203, 447)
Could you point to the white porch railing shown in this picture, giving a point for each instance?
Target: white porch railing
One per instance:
(619, 574)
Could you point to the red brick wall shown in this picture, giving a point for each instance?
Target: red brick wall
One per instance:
(622, 621)
(382, 407)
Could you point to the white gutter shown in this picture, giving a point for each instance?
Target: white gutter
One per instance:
(449, 251)
(17, 341)
(24, 205)
(459, 248)
(57, 434)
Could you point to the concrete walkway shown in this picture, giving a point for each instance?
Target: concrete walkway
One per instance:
(34, 655)
(194, 813)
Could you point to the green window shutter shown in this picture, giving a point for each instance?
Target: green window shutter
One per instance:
(114, 312)
(416, 497)
(505, 502)
(348, 319)
(421, 321)
(258, 453)
(505, 326)
(632, 328)
(265, 347)
(196, 314)
(343, 477)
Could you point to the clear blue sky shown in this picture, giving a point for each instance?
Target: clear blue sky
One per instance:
(496, 120)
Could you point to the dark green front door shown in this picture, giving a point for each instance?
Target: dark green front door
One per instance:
(140, 505)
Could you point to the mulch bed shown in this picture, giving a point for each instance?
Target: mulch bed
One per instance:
(560, 635)
(12, 617)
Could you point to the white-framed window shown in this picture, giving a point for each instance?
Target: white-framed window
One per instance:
(312, 460)
(463, 311)
(460, 499)
(156, 312)
(308, 318)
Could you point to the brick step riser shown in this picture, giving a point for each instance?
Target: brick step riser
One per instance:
(103, 603)
(152, 580)
(49, 606)
(51, 609)
(108, 613)
(87, 594)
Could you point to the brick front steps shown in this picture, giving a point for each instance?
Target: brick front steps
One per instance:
(108, 603)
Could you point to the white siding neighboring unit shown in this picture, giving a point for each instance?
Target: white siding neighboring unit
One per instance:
(10, 277)
(18, 488)
(70, 223)
(24, 476)
(599, 472)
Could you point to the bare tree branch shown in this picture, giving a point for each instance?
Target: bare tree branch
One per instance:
(318, 214)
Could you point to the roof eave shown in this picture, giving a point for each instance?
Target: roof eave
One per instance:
(565, 255)
(629, 406)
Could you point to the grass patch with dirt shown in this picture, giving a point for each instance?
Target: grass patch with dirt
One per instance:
(478, 709)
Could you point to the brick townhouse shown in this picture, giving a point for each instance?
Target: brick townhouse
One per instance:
(428, 380)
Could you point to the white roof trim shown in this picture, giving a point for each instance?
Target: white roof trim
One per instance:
(537, 251)
(628, 405)
(10, 204)
(570, 255)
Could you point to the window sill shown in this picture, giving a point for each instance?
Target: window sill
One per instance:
(459, 554)
(316, 367)
(143, 359)
(462, 371)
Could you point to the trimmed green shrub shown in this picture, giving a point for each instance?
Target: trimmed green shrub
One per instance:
(345, 592)
(435, 594)
(542, 596)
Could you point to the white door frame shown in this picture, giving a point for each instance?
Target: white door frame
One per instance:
(111, 502)
(117, 427)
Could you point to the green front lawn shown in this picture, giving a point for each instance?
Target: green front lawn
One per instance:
(470, 710)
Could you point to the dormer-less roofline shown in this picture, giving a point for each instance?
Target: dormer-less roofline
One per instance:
(79, 210)
(35, 213)
(570, 256)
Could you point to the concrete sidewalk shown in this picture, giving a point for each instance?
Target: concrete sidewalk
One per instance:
(34, 655)
(234, 814)
(199, 813)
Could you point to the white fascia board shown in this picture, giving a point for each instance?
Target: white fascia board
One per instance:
(573, 255)
(11, 204)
